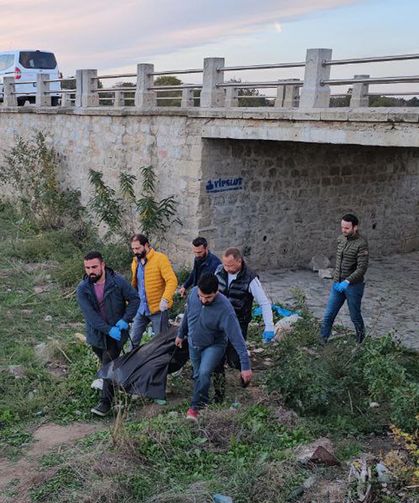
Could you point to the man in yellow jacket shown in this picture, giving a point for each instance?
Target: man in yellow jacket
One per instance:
(156, 282)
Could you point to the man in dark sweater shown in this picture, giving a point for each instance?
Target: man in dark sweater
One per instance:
(209, 323)
(348, 279)
(205, 262)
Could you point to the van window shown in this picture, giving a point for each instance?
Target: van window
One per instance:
(6, 60)
(38, 59)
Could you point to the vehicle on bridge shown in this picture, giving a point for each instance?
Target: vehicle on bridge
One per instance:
(24, 66)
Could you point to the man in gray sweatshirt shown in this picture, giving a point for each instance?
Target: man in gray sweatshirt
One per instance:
(209, 323)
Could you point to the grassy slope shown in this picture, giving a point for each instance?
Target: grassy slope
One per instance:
(150, 453)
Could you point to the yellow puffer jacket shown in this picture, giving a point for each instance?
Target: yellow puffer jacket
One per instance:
(159, 279)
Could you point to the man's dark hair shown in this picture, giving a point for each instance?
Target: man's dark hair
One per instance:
(349, 217)
(208, 283)
(200, 242)
(92, 255)
(143, 240)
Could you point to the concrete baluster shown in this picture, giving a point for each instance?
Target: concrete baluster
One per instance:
(279, 100)
(359, 96)
(292, 95)
(232, 97)
(86, 88)
(187, 97)
(10, 99)
(313, 94)
(119, 100)
(211, 95)
(66, 99)
(144, 98)
(43, 99)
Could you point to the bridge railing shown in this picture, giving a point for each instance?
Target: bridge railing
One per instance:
(310, 92)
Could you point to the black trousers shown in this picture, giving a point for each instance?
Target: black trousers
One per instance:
(112, 351)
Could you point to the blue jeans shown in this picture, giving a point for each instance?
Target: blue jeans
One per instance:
(204, 361)
(353, 295)
(140, 324)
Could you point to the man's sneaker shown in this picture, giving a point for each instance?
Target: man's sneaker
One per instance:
(159, 401)
(97, 384)
(101, 409)
(192, 414)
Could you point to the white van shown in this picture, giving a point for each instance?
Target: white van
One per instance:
(24, 66)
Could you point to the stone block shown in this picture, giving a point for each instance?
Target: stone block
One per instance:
(326, 273)
(319, 262)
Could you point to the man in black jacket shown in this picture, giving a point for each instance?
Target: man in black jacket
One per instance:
(205, 262)
(108, 303)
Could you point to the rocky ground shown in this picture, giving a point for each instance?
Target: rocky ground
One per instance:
(390, 300)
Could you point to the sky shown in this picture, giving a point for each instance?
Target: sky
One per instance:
(114, 35)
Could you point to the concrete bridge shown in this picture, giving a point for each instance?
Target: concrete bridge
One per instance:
(272, 180)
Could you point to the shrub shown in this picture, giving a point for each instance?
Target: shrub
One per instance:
(31, 168)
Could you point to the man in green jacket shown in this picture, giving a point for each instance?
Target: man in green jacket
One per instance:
(348, 278)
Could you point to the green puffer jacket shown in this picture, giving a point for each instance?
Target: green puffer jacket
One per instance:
(351, 259)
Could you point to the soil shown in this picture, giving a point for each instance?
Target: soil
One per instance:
(46, 437)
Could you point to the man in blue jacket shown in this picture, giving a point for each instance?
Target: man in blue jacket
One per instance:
(209, 323)
(205, 262)
(108, 303)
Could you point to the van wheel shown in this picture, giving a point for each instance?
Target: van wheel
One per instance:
(21, 100)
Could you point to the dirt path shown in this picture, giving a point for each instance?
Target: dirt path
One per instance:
(46, 437)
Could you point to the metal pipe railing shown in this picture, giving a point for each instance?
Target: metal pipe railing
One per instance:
(261, 67)
(373, 59)
(177, 72)
(371, 80)
(276, 83)
(171, 88)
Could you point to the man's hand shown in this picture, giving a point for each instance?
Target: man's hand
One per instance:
(122, 324)
(246, 375)
(182, 291)
(178, 342)
(115, 333)
(164, 305)
(342, 286)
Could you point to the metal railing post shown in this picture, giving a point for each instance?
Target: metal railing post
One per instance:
(144, 98)
(10, 99)
(187, 98)
(43, 99)
(313, 94)
(359, 96)
(211, 95)
(232, 97)
(86, 88)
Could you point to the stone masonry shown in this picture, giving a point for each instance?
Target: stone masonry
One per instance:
(273, 183)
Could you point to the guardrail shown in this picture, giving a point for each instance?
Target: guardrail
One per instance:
(313, 91)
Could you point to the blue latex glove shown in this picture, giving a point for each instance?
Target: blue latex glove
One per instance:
(268, 336)
(122, 324)
(341, 287)
(115, 333)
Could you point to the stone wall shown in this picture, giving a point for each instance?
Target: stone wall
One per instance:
(111, 143)
(291, 194)
(294, 194)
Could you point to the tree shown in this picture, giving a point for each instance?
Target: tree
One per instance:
(168, 80)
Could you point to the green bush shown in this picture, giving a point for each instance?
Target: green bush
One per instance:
(337, 383)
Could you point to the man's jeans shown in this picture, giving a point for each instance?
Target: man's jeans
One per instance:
(140, 324)
(204, 361)
(352, 294)
(111, 352)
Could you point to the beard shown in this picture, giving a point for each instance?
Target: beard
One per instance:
(141, 255)
(94, 278)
